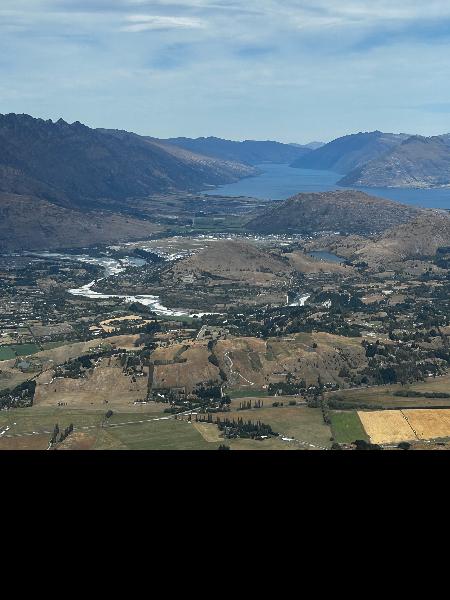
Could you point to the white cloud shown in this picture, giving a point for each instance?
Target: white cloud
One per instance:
(139, 23)
(361, 12)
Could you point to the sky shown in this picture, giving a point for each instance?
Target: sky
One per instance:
(289, 70)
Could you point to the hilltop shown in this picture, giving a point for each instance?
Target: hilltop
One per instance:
(346, 211)
(349, 152)
(234, 260)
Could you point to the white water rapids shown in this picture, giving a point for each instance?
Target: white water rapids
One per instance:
(114, 266)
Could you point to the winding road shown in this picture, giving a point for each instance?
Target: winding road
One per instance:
(236, 372)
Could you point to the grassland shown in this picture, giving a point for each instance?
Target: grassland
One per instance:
(346, 427)
(51, 345)
(157, 435)
(305, 355)
(10, 352)
(299, 422)
(252, 393)
(31, 419)
(7, 353)
(122, 430)
(383, 395)
(149, 431)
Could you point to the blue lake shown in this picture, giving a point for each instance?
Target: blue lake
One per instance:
(278, 182)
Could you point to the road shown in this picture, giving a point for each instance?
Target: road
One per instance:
(236, 372)
(89, 427)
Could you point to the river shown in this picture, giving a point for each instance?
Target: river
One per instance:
(113, 266)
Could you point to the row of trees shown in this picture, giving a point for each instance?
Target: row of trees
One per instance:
(59, 436)
(242, 429)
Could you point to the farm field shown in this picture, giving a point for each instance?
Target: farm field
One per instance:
(9, 378)
(158, 435)
(429, 424)
(23, 420)
(248, 394)
(10, 352)
(123, 430)
(387, 426)
(405, 425)
(346, 427)
(32, 442)
(140, 432)
(6, 353)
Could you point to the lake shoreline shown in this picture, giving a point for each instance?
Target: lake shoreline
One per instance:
(280, 181)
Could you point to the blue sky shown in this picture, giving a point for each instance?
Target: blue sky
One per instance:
(292, 70)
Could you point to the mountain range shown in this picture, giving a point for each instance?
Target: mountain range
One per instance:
(349, 152)
(30, 223)
(67, 185)
(249, 152)
(418, 162)
(377, 159)
(76, 166)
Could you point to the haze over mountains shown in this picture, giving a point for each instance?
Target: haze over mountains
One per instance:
(416, 162)
(249, 151)
(377, 159)
(349, 152)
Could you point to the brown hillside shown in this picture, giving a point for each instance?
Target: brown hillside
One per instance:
(28, 223)
(232, 259)
(420, 237)
(345, 211)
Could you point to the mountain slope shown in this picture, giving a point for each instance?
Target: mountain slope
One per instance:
(249, 151)
(417, 162)
(347, 211)
(30, 223)
(74, 165)
(421, 236)
(349, 152)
